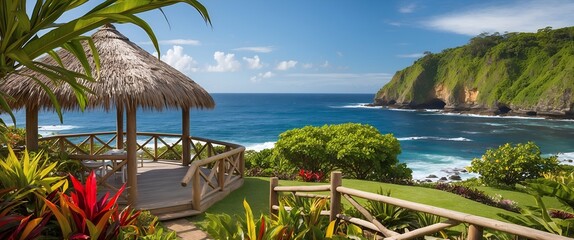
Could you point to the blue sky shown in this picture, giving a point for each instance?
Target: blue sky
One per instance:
(296, 46)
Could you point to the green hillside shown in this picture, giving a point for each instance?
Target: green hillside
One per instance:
(524, 73)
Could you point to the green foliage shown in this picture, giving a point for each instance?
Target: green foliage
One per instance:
(523, 71)
(358, 150)
(509, 165)
(266, 164)
(28, 34)
(31, 177)
(557, 221)
(301, 222)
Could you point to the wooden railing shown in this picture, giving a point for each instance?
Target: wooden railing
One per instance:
(217, 173)
(225, 160)
(476, 223)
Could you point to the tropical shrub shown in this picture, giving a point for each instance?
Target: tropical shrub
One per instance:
(478, 196)
(509, 165)
(359, 150)
(265, 164)
(31, 177)
(301, 222)
(80, 214)
(557, 221)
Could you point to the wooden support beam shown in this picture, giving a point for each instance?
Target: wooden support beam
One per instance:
(474, 232)
(273, 197)
(32, 128)
(185, 140)
(131, 137)
(335, 206)
(119, 127)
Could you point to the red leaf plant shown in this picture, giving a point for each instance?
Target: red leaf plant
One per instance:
(310, 176)
(82, 216)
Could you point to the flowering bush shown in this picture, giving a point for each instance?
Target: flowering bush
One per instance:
(310, 176)
(508, 165)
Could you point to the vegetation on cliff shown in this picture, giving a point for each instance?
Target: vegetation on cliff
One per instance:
(530, 73)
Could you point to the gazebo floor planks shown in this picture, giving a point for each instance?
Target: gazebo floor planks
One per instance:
(160, 190)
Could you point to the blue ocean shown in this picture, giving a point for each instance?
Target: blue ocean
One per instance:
(432, 142)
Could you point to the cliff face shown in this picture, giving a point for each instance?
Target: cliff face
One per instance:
(522, 73)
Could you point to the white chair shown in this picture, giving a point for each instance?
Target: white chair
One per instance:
(97, 166)
(123, 170)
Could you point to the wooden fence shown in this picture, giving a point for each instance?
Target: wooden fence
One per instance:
(337, 192)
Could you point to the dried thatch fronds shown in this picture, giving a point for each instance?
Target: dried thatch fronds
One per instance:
(128, 75)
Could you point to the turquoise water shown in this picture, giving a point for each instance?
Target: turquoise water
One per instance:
(432, 142)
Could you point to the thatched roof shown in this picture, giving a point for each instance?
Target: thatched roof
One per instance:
(128, 74)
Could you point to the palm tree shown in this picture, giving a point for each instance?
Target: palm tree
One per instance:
(21, 42)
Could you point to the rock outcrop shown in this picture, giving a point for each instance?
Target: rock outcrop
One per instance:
(514, 73)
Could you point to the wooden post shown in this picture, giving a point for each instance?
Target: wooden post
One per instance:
(185, 141)
(221, 174)
(336, 181)
(119, 127)
(273, 198)
(32, 128)
(242, 164)
(474, 232)
(196, 190)
(131, 137)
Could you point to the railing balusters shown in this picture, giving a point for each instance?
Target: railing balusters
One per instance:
(475, 230)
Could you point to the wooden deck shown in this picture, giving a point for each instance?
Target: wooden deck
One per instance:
(160, 190)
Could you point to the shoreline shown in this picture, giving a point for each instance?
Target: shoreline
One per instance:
(480, 111)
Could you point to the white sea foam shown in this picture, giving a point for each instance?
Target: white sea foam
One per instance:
(566, 158)
(358, 105)
(494, 124)
(489, 116)
(470, 132)
(48, 130)
(56, 127)
(457, 139)
(401, 109)
(260, 146)
(439, 165)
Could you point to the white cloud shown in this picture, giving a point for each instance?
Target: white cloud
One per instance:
(412, 55)
(326, 64)
(225, 63)
(261, 76)
(284, 65)
(517, 16)
(175, 42)
(307, 65)
(253, 63)
(408, 8)
(267, 49)
(179, 60)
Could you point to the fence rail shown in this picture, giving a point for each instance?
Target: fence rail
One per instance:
(476, 223)
(215, 166)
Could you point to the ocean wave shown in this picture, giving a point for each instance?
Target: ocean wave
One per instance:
(56, 127)
(358, 105)
(457, 139)
(424, 165)
(260, 146)
(401, 109)
(488, 116)
(566, 158)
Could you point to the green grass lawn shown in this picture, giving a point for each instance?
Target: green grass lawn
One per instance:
(256, 191)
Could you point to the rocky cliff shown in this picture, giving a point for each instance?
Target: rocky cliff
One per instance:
(514, 73)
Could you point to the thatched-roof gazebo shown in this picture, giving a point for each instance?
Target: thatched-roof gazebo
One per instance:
(129, 78)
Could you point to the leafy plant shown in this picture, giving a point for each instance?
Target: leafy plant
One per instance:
(31, 177)
(359, 149)
(508, 165)
(309, 176)
(80, 214)
(478, 196)
(22, 41)
(558, 221)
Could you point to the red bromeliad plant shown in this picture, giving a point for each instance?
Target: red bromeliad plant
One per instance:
(81, 215)
(310, 176)
(16, 226)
